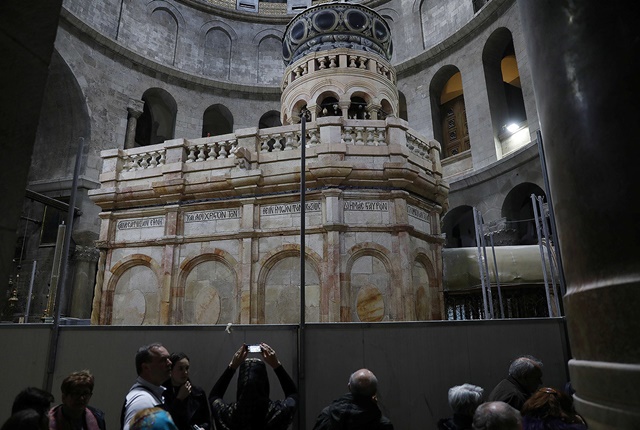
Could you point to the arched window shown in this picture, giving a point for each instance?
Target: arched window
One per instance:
(402, 105)
(358, 108)
(518, 211)
(449, 112)
(217, 120)
(270, 119)
(330, 107)
(459, 227)
(158, 120)
(506, 102)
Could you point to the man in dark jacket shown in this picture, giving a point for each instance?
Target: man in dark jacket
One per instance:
(356, 410)
(525, 376)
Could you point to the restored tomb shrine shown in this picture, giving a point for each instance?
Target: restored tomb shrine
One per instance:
(207, 231)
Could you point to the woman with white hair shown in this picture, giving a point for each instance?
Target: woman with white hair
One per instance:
(464, 400)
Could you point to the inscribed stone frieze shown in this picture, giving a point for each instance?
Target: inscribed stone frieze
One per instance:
(140, 228)
(419, 219)
(206, 222)
(366, 212)
(285, 215)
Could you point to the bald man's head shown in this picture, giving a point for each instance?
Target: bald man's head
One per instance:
(496, 416)
(363, 383)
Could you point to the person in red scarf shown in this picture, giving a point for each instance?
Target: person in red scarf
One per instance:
(74, 413)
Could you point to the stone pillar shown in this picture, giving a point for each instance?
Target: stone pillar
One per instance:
(584, 66)
(135, 109)
(85, 258)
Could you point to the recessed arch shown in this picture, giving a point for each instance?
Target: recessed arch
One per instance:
(158, 120)
(502, 78)
(459, 227)
(133, 292)
(368, 266)
(278, 287)
(217, 120)
(270, 119)
(208, 289)
(517, 209)
(448, 111)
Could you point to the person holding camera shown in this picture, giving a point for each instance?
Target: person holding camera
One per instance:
(253, 409)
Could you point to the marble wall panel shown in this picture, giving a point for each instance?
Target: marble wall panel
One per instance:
(136, 300)
(282, 293)
(209, 296)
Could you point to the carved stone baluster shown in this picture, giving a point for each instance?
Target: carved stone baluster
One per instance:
(322, 61)
(352, 61)
(347, 138)
(277, 146)
(192, 155)
(298, 72)
(143, 160)
(264, 146)
(363, 62)
(305, 69)
(288, 145)
(382, 140)
(359, 136)
(153, 161)
(332, 62)
(202, 155)
(370, 135)
(162, 157)
(222, 152)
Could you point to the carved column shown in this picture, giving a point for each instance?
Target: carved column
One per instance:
(584, 66)
(135, 109)
(85, 258)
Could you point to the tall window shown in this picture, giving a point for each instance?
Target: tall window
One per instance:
(455, 133)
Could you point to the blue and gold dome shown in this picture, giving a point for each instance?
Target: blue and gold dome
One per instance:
(336, 25)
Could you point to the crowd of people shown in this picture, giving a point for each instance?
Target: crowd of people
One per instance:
(163, 397)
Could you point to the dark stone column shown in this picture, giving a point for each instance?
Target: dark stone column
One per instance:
(585, 61)
(85, 258)
(135, 109)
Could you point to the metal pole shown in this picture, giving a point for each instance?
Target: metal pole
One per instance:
(55, 332)
(544, 265)
(301, 332)
(552, 217)
(486, 266)
(33, 275)
(480, 265)
(547, 245)
(495, 269)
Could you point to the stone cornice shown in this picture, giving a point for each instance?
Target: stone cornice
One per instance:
(152, 67)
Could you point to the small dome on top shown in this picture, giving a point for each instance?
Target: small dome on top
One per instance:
(336, 25)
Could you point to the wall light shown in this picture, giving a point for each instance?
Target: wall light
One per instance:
(513, 127)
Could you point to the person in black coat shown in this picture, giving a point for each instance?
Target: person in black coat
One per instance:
(356, 410)
(253, 409)
(186, 402)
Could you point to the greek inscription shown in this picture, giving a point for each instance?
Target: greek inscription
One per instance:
(129, 224)
(359, 205)
(216, 215)
(290, 208)
(417, 213)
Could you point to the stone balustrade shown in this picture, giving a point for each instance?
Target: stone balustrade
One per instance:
(338, 61)
(350, 152)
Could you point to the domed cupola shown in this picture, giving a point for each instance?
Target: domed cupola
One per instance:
(336, 25)
(337, 58)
